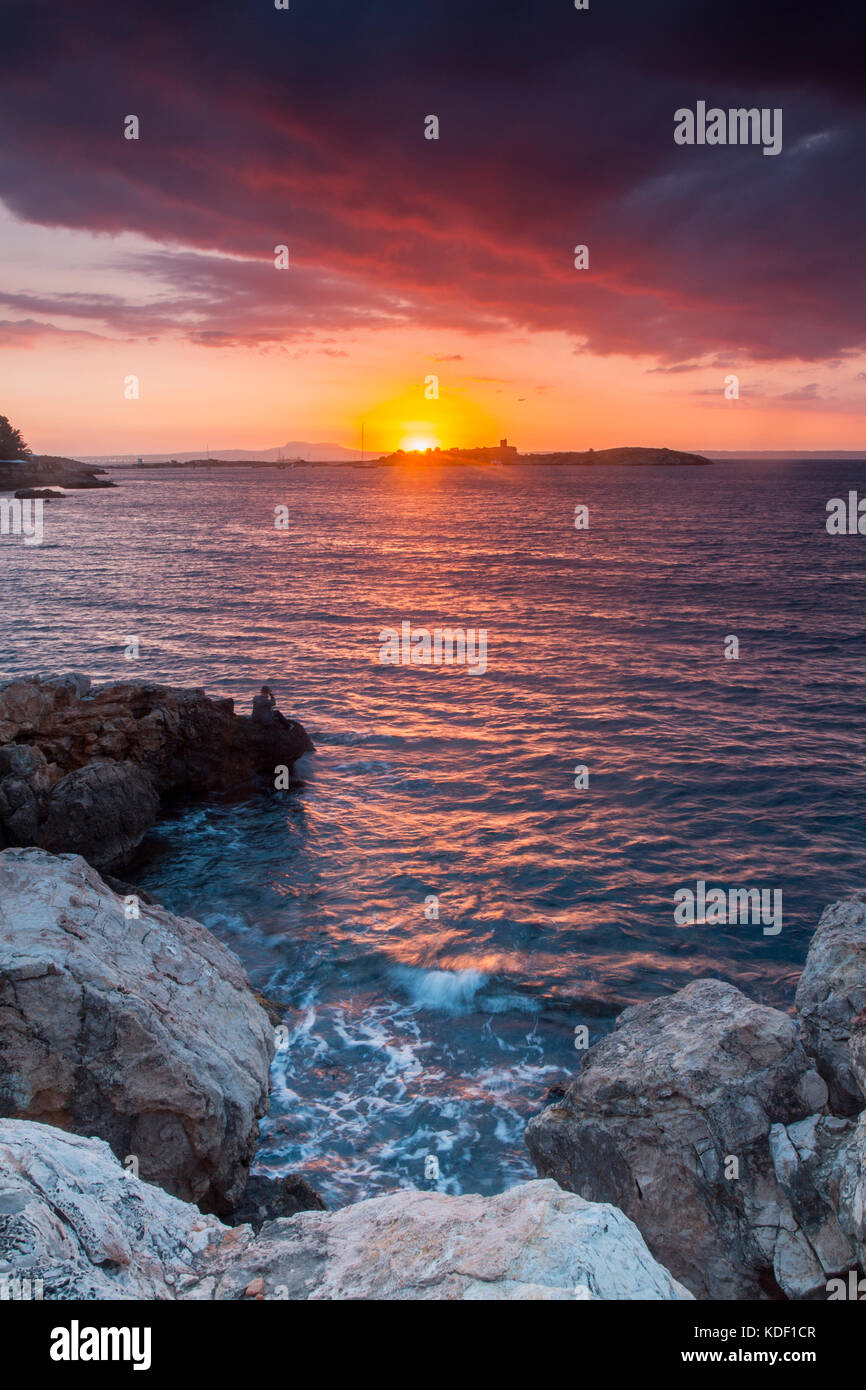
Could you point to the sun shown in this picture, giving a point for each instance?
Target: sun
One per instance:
(418, 442)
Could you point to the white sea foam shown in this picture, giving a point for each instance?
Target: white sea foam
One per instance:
(449, 991)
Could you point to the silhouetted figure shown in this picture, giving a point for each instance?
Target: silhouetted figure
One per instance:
(265, 709)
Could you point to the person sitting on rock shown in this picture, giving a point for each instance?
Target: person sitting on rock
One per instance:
(265, 709)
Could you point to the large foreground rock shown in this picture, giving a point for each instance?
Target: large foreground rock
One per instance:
(652, 1123)
(534, 1242)
(85, 770)
(141, 1030)
(68, 1213)
(72, 1217)
(831, 993)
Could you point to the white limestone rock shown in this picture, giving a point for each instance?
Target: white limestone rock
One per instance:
(71, 1216)
(533, 1242)
(140, 1030)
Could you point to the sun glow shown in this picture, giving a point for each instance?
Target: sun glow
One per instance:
(418, 442)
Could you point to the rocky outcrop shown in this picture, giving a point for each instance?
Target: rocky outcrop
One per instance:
(120, 1020)
(831, 993)
(85, 770)
(69, 1213)
(670, 1119)
(40, 469)
(693, 1081)
(26, 702)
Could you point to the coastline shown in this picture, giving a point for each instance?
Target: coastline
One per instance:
(621, 456)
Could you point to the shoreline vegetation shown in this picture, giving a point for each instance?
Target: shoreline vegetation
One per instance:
(708, 1147)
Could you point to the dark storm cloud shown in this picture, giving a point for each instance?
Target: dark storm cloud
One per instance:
(305, 126)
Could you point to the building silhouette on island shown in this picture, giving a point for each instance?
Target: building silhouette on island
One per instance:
(486, 454)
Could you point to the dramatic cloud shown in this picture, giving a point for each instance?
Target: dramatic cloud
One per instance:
(306, 128)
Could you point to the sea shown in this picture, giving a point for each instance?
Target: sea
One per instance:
(476, 871)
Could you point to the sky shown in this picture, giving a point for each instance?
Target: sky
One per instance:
(412, 258)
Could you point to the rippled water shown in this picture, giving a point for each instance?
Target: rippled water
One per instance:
(411, 1036)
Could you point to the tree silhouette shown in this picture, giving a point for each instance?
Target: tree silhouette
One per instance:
(12, 446)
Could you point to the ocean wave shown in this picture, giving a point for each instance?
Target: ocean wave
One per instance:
(447, 991)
